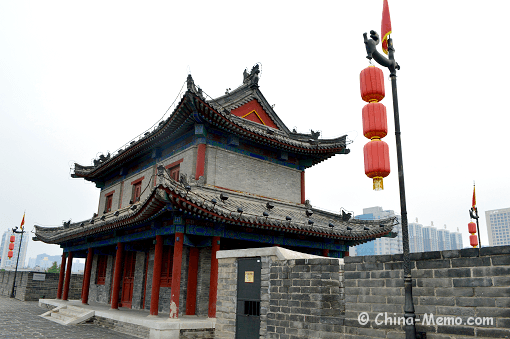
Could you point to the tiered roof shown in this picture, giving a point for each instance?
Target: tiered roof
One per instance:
(238, 209)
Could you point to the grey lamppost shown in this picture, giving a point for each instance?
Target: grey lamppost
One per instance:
(15, 230)
(393, 66)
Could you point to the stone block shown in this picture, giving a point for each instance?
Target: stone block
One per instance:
(424, 291)
(440, 301)
(471, 262)
(455, 292)
(492, 312)
(452, 273)
(431, 264)
(495, 250)
(490, 271)
(356, 275)
(474, 302)
(492, 333)
(470, 252)
(371, 283)
(370, 267)
(437, 282)
(387, 291)
(456, 311)
(472, 282)
(457, 330)
(385, 274)
(492, 292)
(352, 260)
(500, 260)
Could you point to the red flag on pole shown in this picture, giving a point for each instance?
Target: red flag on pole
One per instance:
(22, 222)
(474, 198)
(385, 26)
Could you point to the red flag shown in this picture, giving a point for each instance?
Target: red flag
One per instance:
(474, 198)
(22, 222)
(385, 26)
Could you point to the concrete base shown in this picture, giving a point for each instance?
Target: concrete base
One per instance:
(160, 326)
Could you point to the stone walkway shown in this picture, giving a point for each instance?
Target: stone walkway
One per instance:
(20, 319)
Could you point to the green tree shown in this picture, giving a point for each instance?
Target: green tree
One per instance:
(54, 268)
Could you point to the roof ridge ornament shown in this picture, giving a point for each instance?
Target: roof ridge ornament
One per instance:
(102, 159)
(253, 77)
(192, 88)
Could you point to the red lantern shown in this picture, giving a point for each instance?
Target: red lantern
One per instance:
(11, 246)
(473, 240)
(374, 120)
(10, 254)
(372, 84)
(472, 227)
(377, 162)
(13, 238)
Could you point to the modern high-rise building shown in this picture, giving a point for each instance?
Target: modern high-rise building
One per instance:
(384, 245)
(430, 242)
(456, 240)
(44, 261)
(415, 236)
(443, 239)
(4, 249)
(498, 226)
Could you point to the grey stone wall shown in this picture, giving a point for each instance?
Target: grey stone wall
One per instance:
(247, 174)
(203, 281)
(300, 298)
(101, 293)
(226, 299)
(462, 283)
(139, 282)
(165, 292)
(306, 299)
(28, 289)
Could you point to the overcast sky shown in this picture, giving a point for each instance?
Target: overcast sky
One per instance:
(82, 78)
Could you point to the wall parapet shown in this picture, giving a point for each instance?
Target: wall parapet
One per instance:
(464, 286)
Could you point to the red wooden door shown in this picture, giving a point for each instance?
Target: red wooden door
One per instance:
(126, 297)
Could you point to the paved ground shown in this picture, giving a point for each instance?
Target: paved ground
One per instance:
(20, 319)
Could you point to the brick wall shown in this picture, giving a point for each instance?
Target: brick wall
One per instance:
(165, 292)
(226, 299)
(306, 299)
(247, 174)
(461, 283)
(300, 298)
(28, 289)
(101, 293)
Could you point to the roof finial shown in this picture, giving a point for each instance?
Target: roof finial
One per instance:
(253, 77)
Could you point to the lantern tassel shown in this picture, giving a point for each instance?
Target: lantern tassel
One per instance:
(378, 184)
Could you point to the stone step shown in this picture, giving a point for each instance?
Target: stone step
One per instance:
(68, 315)
(72, 313)
(61, 316)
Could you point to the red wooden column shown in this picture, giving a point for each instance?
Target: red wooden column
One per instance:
(345, 254)
(61, 276)
(86, 277)
(303, 199)
(176, 276)
(156, 275)
(213, 286)
(116, 276)
(68, 275)
(200, 169)
(325, 252)
(191, 296)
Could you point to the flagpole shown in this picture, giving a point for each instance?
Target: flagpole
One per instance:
(473, 212)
